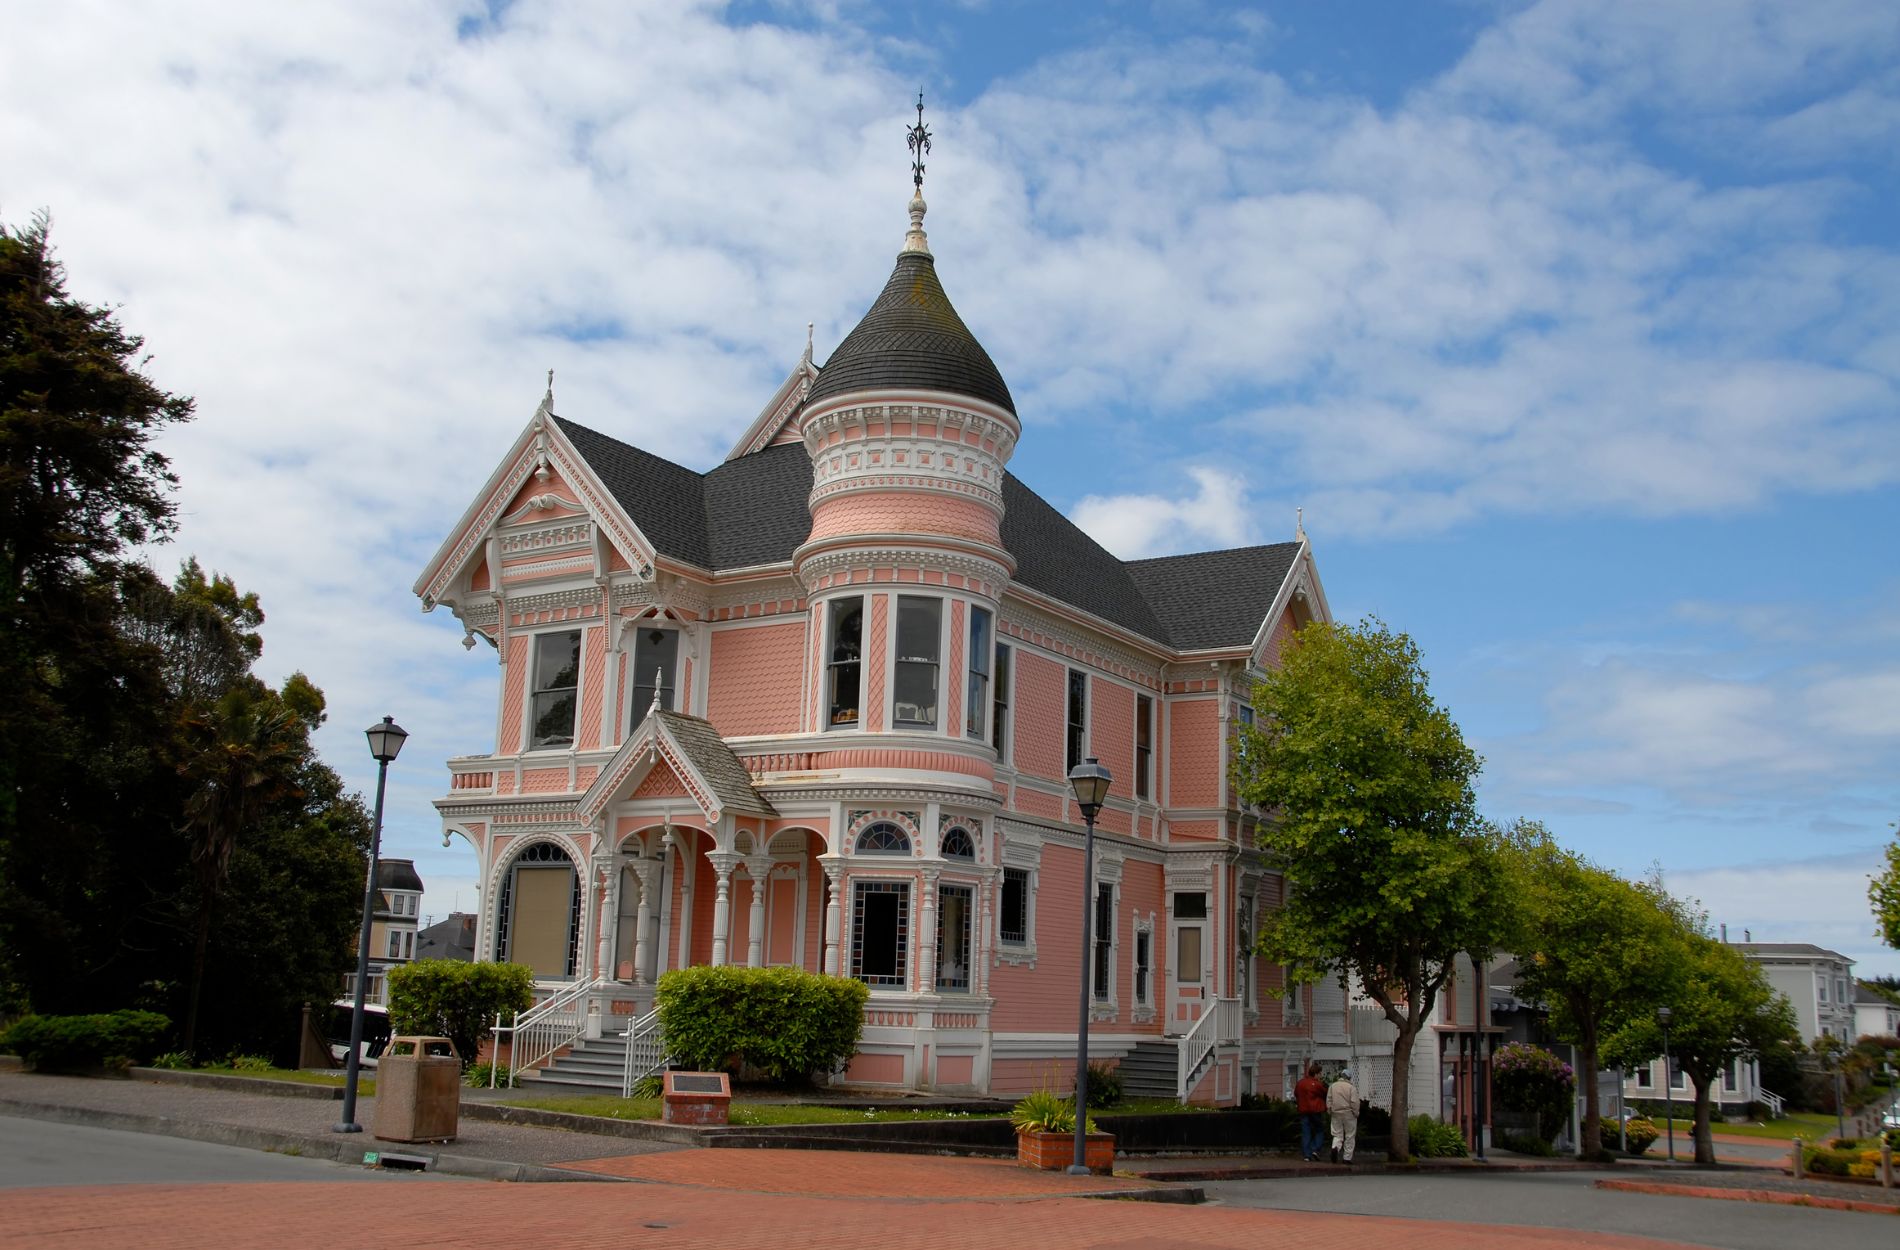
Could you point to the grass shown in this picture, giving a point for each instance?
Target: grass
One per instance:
(365, 1084)
(1809, 1124)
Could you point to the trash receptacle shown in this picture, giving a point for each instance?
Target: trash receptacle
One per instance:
(418, 1090)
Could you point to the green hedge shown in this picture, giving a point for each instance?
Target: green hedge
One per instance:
(789, 1025)
(456, 999)
(116, 1039)
(1434, 1139)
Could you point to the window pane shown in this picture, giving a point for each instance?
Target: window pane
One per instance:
(1190, 906)
(880, 923)
(1015, 919)
(1144, 742)
(953, 937)
(919, 644)
(1187, 954)
(1104, 937)
(999, 705)
(655, 653)
(847, 642)
(1143, 957)
(1078, 712)
(977, 701)
(557, 666)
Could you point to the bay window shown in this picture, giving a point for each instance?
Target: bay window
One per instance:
(919, 649)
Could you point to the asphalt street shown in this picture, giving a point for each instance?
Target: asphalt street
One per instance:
(1567, 1200)
(36, 1153)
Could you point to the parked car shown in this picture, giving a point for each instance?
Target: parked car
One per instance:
(375, 1032)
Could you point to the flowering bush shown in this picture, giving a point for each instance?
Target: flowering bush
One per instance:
(1530, 1078)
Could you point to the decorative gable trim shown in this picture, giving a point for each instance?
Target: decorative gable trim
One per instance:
(1302, 583)
(771, 425)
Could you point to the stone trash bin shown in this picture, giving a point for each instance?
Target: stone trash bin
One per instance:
(418, 1090)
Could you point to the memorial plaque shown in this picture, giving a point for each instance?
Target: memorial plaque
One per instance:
(695, 1084)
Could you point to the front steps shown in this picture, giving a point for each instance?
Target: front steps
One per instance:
(594, 1065)
(1151, 1069)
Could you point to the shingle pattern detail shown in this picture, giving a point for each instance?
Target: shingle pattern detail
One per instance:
(912, 338)
(701, 744)
(1214, 598)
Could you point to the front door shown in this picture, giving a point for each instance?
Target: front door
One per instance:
(1189, 980)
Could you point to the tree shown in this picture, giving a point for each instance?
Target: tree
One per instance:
(1883, 892)
(1722, 1009)
(1390, 873)
(1588, 945)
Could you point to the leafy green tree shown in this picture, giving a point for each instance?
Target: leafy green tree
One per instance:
(1722, 1009)
(1588, 945)
(1883, 892)
(1368, 785)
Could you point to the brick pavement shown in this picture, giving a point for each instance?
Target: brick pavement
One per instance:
(839, 1174)
(658, 1216)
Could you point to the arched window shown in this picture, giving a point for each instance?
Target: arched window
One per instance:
(883, 838)
(538, 919)
(957, 843)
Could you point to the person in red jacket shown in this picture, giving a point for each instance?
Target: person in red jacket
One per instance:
(1309, 1098)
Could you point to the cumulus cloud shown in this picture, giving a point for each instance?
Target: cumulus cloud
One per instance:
(1821, 900)
(1216, 514)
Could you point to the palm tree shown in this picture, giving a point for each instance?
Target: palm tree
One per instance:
(244, 757)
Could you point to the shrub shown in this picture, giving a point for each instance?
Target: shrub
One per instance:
(1374, 1121)
(1434, 1139)
(1527, 1144)
(1046, 1111)
(1105, 1085)
(456, 999)
(649, 1086)
(788, 1024)
(174, 1061)
(1642, 1134)
(478, 1076)
(1829, 1162)
(116, 1039)
(248, 1063)
(1530, 1078)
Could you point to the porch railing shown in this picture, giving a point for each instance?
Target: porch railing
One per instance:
(646, 1052)
(1776, 1104)
(1219, 1027)
(538, 1033)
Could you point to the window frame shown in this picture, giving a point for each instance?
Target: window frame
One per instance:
(1144, 746)
(1002, 676)
(1075, 734)
(977, 699)
(536, 690)
(1144, 966)
(669, 689)
(860, 888)
(968, 893)
(900, 663)
(1027, 876)
(1103, 946)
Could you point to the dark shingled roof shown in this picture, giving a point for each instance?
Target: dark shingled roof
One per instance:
(912, 338)
(397, 874)
(1214, 598)
(754, 510)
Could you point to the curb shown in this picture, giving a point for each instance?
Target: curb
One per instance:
(231, 1081)
(1774, 1197)
(1183, 1195)
(1281, 1171)
(594, 1125)
(340, 1148)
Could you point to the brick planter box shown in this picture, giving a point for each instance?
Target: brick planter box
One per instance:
(1054, 1151)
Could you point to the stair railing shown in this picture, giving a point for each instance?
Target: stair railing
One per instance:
(1216, 1028)
(546, 1028)
(1776, 1104)
(646, 1052)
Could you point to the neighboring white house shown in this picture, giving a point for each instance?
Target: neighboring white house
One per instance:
(393, 925)
(1818, 982)
(1874, 1014)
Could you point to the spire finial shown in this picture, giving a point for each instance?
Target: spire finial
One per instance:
(550, 394)
(659, 675)
(919, 139)
(1299, 525)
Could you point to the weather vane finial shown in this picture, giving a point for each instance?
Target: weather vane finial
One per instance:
(919, 138)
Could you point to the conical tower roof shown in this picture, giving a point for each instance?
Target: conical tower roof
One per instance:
(912, 338)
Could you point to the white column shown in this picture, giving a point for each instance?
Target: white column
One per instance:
(927, 937)
(722, 862)
(759, 870)
(609, 915)
(600, 881)
(648, 871)
(985, 941)
(834, 882)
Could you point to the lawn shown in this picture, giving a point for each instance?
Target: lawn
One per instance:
(365, 1084)
(1809, 1124)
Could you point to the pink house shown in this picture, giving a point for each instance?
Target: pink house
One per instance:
(815, 707)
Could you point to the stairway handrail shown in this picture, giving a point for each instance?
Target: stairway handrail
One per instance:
(646, 1052)
(547, 1027)
(1217, 1027)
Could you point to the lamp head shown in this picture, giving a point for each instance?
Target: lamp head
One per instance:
(1665, 1015)
(1090, 781)
(385, 740)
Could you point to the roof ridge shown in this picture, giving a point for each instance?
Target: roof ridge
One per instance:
(1213, 551)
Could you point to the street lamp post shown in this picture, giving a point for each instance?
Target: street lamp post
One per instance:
(1669, 1083)
(385, 742)
(1090, 782)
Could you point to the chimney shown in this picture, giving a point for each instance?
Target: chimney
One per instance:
(1725, 935)
(1746, 937)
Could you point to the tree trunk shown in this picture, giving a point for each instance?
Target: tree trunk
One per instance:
(1592, 1144)
(1400, 1151)
(197, 977)
(1704, 1144)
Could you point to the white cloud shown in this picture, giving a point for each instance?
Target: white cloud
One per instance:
(1821, 900)
(1216, 515)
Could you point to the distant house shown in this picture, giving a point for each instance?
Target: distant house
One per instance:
(392, 933)
(453, 938)
(1818, 982)
(1875, 1015)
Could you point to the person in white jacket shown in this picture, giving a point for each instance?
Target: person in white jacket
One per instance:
(1342, 1103)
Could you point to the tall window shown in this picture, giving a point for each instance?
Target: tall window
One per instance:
(1820, 984)
(557, 675)
(1144, 965)
(846, 660)
(880, 932)
(1104, 939)
(1078, 714)
(1187, 937)
(539, 912)
(979, 693)
(1144, 743)
(1243, 955)
(1643, 1078)
(656, 654)
(999, 705)
(953, 936)
(1675, 1073)
(1014, 927)
(919, 646)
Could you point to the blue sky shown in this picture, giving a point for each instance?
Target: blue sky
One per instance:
(1572, 326)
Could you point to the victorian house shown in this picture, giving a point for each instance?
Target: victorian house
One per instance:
(816, 707)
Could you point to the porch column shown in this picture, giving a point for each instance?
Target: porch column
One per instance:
(985, 941)
(927, 936)
(646, 870)
(723, 863)
(834, 882)
(603, 882)
(758, 870)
